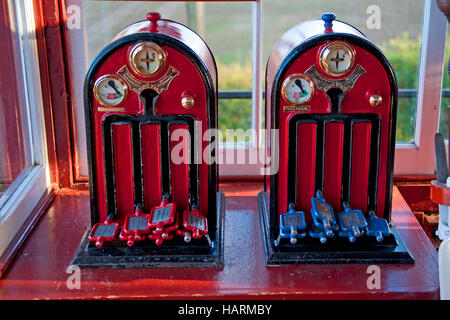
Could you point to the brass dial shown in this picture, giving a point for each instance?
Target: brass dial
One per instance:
(297, 89)
(110, 90)
(337, 58)
(147, 59)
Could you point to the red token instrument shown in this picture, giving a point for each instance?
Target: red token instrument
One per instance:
(136, 226)
(104, 232)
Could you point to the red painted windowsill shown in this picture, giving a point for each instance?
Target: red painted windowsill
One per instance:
(39, 271)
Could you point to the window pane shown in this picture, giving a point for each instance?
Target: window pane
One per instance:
(225, 27)
(15, 149)
(445, 104)
(398, 35)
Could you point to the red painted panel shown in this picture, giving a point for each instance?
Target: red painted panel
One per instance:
(123, 169)
(151, 165)
(168, 103)
(360, 165)
(334, 144)
(355, 102)
(179, 165)
(306, 164)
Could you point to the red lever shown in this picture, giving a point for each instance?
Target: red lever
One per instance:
(153, 17)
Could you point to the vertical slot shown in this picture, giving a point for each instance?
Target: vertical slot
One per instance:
(320, 153)
(137, 165)
(374, 165)
(306, 164)
(151, 164)
(165, 159)
(123, 168)
(346, 161)
(179, 164)
(108, 167)
(333, 158)
(360, 164)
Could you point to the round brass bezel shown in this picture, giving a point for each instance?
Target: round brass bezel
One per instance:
(297, 76)
(138, 48)
(326, 51)
(115, 77)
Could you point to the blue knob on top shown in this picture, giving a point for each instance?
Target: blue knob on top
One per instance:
(328, 18)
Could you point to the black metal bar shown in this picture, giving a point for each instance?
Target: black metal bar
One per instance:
(235, 94)
(247, 94)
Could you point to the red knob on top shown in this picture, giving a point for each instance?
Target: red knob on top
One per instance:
(153, 17)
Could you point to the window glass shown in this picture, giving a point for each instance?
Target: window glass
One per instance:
(394, 26)
(15, 151)
(445, 104)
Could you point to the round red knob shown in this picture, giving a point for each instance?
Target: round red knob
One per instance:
(99, 243)
(153, 16)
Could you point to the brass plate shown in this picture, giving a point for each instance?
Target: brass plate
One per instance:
(297, 108)
(138, 85)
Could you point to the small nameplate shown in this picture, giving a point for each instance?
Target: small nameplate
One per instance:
(292, 220)
(196, 222)
(112, 109)
(162, 214)
(137, 223)
(351, 219)
(105, 230)
(297, 108)
(323, 210)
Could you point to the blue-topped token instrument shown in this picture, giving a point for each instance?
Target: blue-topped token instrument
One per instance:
(377, 227)
(330, 116)
(323, 218)
(292, 225)
(351, 222)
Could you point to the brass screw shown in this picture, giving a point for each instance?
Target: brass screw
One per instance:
(375, 100)
(187, 102)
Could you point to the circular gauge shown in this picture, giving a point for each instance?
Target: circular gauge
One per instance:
(297, 88)
(336, 58)
(110, 90)
(147, 59)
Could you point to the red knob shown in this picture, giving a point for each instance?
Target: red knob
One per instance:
(99, 243)
(153, 17)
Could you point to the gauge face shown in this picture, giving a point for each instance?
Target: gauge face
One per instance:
(336, 58)
(147, 59)
(297, 88)
(110, 90)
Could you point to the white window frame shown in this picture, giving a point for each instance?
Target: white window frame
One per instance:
(253, 149)
(417, 158)
(23, 195)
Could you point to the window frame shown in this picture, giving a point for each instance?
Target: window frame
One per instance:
(252, 149)
(33, 183)
(417, 158)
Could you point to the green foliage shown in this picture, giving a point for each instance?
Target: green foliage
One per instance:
(235, 113)
(404, 54)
